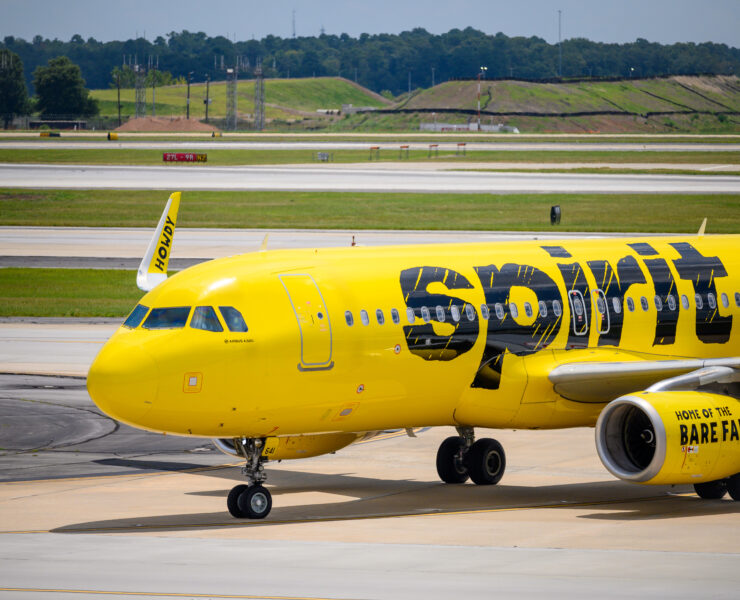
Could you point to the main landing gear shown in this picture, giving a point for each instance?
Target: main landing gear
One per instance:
(714, 490)
(460, 457)
(251, 501)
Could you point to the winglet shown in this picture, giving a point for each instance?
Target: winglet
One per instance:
(153, 267)
(703, 227)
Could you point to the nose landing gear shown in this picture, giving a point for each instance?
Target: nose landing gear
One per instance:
(460, 457)
(252, 501)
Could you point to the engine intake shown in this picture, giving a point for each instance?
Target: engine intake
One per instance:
(670, 437)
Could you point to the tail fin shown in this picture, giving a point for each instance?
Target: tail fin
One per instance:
(153, 267)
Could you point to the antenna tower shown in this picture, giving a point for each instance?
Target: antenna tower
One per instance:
(140, 86)
(232, 78)
(259, 97)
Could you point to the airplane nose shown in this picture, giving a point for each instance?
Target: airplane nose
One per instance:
(122, 381)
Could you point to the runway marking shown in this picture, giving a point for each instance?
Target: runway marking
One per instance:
(162, 594)
(432, 513)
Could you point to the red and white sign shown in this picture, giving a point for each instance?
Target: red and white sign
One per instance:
(184, 157)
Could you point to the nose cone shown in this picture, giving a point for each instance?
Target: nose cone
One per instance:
(122, 381)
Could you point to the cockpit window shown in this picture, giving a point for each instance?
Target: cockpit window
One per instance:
(137, 316)
(233, 318)
(167, 318)
(204, 317)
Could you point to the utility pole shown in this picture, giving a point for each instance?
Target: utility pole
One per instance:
(560, 45)
(409, 84)
(432, 76)
(118, 85)
(208, 81)
(480, 74)
(294, 23)
(187, 104)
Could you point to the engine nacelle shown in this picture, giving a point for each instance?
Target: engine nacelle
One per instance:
(293, 446)
(670, 437)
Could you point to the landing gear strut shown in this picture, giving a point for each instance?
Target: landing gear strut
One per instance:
(252, 501)
(460, 457)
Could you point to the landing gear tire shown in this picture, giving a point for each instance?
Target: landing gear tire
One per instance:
(486, 462)
(733, 486)
(711, 490)
(232, 501)
(255, 502)
(450, 463)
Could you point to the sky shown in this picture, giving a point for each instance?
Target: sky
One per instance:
(664, 21)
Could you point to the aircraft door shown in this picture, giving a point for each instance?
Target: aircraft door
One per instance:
(314, 325)
(578, 310)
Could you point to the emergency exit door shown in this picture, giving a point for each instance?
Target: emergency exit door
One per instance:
(314, 326)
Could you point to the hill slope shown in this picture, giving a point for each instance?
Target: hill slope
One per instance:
(284, 98)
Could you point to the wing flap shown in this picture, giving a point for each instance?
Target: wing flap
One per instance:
(603, 381)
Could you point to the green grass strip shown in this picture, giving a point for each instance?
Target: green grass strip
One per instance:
(222, 157)
(357, 211)
(67, 292)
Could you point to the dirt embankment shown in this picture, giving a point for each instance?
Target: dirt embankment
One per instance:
(165, 124)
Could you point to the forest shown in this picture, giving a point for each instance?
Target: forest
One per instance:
(391, 63)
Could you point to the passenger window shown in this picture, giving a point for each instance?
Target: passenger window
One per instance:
(658, 303)
(578, 306)
(395, 317)
(233, 318)
(513, 310)
(556, 308)
(543, 308)
(671, 302)
(484, 312)
(349, 318)
(725, 300)
(685, 302)
(600, 306)
(380, 316)
(440, 314)
(630, 305)
(364, 318)
(455, 312)
(616, 305)
(204, 317)
(499, 311)
(699, 302)
(528, 309)
(425, 316)
(470, 312)
(711, 300)
(737, 298)
(136, 317)
(167, 318)
(410, 316)
(644, 303)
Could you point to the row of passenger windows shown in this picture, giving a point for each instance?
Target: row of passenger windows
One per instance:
(468, 312)
(204, 318)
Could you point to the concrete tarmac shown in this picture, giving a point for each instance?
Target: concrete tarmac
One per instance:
(357, 179)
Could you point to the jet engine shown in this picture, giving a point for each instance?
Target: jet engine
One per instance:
(670, 437)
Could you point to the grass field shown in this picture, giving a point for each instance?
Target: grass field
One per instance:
(337, 210)
(306, 95)
(67, 292)
(219, 157)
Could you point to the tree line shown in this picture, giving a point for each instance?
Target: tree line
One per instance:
(383, 62)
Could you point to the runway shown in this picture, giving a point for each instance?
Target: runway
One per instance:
(443, 146)
(358, 179)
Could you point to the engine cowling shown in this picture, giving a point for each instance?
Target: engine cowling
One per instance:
(670, 437)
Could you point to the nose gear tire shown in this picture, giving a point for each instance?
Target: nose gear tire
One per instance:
(450, 463)
(486, 461)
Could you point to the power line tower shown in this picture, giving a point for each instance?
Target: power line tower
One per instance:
(232, 79)
(259, 97)
(153, 66)
(139, 86)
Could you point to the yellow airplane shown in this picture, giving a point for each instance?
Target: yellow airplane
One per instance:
(296, 353)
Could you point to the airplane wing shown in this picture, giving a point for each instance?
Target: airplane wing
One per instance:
(600, 382)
